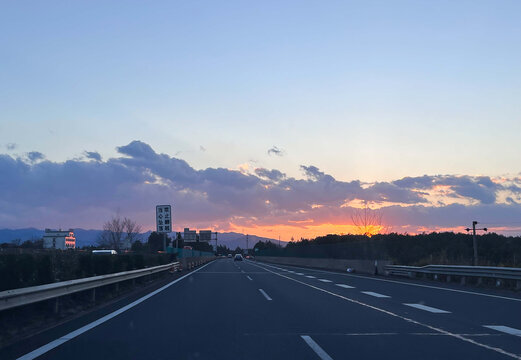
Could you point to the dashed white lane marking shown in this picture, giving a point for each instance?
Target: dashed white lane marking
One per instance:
(311, 277)
(375, 294)
(409, 320)
(299, 274)
(249, 278)
(53, 344)
(505, 329)
(405, 283)
(345, 286)
(428, 308)
(316, 348)
(324, 280)
(265, 295)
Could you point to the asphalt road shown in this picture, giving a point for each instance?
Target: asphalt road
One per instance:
(251, 310)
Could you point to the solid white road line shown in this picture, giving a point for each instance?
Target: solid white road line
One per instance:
(409, 320)
(316, 348)
(345, 286)
(249, 278)
(404, 283)
(428, 308)
(311, 277)
(265, 295)
(505, 329)
(53, 344)
(375, 294)
(324, 280)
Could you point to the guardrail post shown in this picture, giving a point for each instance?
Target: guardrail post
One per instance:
(57, 305)
(449, 278)
(480, 281)
(93, 296)
(116, 287)
(518, 285)
(498, 282)
(463, 280)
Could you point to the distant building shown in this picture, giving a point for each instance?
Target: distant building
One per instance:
(58, 239)
(189, 235)
(205, 235)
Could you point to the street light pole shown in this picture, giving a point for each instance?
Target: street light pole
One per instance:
(475, 241)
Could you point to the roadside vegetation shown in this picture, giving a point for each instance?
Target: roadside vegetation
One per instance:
(403, 249)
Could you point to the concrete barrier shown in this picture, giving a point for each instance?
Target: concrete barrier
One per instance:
(191, 262)
(360, 266)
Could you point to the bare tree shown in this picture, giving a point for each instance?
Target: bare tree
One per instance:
(132, 231)
(119, 233)
(368, 222)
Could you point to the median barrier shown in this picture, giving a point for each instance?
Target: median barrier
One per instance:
(359, 265)
(499, 275)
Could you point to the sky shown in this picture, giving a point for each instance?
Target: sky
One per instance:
(273, 117)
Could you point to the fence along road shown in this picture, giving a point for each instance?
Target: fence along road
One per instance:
(217, 312)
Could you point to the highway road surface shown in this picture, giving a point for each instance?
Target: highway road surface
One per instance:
(253, 310)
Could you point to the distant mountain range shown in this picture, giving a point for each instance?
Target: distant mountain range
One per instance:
(89, 237)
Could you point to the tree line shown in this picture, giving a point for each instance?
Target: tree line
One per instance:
(404, 249)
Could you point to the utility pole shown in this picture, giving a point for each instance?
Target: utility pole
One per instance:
(279, 240)
(164, 242)
(474, 241)
(216, 242)
(246, 244)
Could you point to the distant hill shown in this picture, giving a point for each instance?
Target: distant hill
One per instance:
(89, 237)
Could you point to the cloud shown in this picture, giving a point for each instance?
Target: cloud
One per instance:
(273, 175)
(276, 151)
(84, 193)
(137, 149)
(35, 156)
(11, 146)
(93, 155)
(480, 188)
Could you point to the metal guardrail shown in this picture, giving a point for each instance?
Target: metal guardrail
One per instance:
(461, 271)
(28, 295)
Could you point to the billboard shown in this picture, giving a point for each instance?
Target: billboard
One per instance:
(205, 235)
(163, 218)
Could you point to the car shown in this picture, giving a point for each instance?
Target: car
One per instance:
(238, 257)
(229, 255)
(110, 252)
